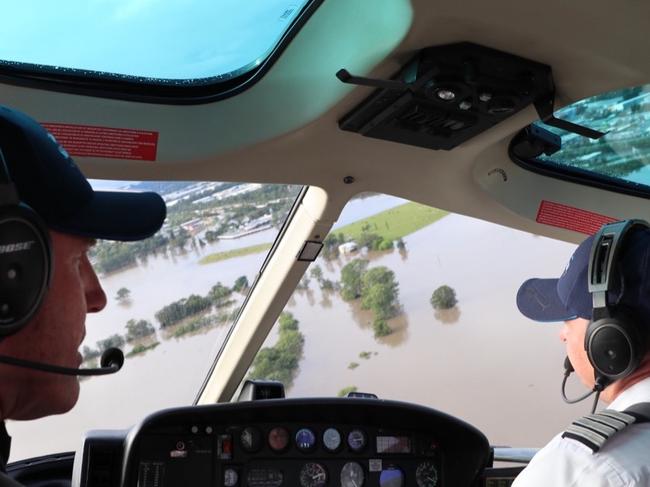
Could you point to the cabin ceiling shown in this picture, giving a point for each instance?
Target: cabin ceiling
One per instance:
(284, 129)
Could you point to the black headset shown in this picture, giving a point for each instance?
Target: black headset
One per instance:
(25, 257)
(613, 340)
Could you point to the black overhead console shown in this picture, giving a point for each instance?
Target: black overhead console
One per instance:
(448, 94)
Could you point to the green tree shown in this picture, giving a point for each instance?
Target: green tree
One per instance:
(219, 294)
(287, 322)
(113, 257)
(443, 298)
(241, 285)
(400, 244)
(327, 285)
(182, 237)
(385, 245)
(303, 285)
(211, 236)
(331, 245)
(113, 341)
(181, 309)
(90, 353)
(281, 361)
(317, 273)
(381, 328)
(123, 294)
(379, 292)
(138, 329)
(370, 240)
(346, 390)
(351, 276)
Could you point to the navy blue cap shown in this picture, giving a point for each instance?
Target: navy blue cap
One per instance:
(47, 179)
(566, 298)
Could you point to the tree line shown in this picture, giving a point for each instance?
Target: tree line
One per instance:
(219, 296)
(110, 256)
(280, 362)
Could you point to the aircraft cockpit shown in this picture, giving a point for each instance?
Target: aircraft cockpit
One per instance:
(355, 191)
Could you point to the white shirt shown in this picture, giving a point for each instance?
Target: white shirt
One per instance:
(624, 461)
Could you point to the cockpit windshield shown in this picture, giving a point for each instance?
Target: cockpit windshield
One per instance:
(414, 303)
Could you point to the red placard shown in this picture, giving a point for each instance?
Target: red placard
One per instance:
(570, 218)
(113, 143)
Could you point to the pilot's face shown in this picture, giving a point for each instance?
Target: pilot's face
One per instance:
(573, 335)
(53, 336)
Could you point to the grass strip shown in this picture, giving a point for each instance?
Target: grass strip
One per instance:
(396, 222)
(141, 349)
(229, 254)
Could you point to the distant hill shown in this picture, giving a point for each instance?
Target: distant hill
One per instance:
(160, 187)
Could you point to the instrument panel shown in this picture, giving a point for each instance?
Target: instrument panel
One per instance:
(295, 454)
(345, 442)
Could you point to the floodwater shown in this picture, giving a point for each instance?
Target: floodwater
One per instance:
(480, 361)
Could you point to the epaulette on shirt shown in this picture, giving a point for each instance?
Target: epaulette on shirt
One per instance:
(594, 430)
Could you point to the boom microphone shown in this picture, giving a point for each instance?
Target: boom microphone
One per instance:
(111, 361)
(568, 369)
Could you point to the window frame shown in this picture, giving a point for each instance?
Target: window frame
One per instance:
(562, 172)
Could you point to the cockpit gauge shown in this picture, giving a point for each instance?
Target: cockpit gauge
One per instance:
(391, 477)
(278, 439)
(332, 439)
(305, 439)
(230, 477)
(251, 439)
(313, 475)
(426, 475)
(352, 475)
(357, 440)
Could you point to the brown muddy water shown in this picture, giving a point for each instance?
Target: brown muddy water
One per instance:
(480, 361)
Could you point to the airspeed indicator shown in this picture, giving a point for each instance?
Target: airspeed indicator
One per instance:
(332, 439)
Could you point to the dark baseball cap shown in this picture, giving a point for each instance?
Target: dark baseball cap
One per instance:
(47, 179)
(568, 297)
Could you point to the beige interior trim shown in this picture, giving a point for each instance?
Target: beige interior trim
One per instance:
(271, 292)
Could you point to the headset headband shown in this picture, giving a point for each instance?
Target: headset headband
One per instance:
(604, 254)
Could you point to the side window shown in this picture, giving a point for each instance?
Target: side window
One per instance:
(416, 304)
(171, 301)
(619, 159)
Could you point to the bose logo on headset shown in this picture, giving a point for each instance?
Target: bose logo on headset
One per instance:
(16, 247)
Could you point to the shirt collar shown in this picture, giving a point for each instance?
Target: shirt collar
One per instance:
(639, 392)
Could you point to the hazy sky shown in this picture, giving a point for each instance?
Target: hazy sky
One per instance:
(175, 39)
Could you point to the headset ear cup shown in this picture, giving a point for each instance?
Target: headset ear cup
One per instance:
(25, 266)
(613, 348)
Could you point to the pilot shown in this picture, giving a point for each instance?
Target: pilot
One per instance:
(606, 333)
(71, 216)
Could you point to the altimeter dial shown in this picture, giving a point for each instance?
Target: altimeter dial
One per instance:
(313, 475)
(426, 475)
